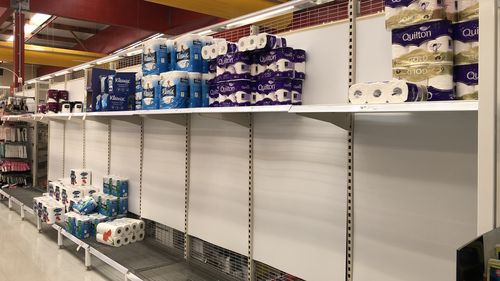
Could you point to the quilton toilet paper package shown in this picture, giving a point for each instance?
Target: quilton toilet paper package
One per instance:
(467, 81)
(155, 57)
(466, 40)
(276, 63)
(233, 66)
(296, 91)
(299, 64)
(400, 13)
(235, 92)
(174, 89)
(274, 91)
(213, 94)
(437, 78)
(467, 9)
(423, 43)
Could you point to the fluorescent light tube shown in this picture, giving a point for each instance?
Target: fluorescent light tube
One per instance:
(61, 73)
(206, 32)
(259, 17)
(82, 67)
(106, 60)
(133, 53)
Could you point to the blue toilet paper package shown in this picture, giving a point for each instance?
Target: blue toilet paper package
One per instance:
(98, 89)
(206, 80)
(188, 55)
(151, 92)
(155, 59)
(82, 230)
(123, 206)
(122, 92)
(138, 90)
(195, 92)
(174, 89)
(119, 187)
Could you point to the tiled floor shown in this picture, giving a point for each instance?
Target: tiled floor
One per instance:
(26, 255)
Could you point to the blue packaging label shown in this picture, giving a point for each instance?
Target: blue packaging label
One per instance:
(122, 93)
(467, 31)
(188, 56)
(174, 93)
(195, 93)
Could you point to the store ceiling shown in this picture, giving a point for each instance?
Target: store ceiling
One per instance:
(101, 27)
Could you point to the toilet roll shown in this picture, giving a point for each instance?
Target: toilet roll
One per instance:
(376, 93)
(111, 229)
(126, 240)
(141, 235)
(252, 43)
(111, 241)
(265, 41)
(357, 94)
(227, 47)
(132, 237)
(66, 107)
(206, 52)
(400, 91)
(441, 82)
(243, 43)
(465, 91)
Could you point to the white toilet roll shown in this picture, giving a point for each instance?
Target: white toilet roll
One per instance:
(141, 235)
(111, 241)
(206, 52)
(376, 93)
(400, 91)
(398, 51)
(252, 43)
(243, 44)
(461, 47)
(442, 82)
(126, 240)
(357, 94)
(413, 48)
(464, 89)
(132, 237)
(116, 230)
(283, 65)
(440, 44)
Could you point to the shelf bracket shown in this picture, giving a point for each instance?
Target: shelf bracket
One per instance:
(242, 119)
(339, 119)
(179, 119)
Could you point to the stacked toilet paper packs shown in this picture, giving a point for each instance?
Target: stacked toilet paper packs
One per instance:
(400, 13)
(466, 70)
(120, 232)
(48, 209)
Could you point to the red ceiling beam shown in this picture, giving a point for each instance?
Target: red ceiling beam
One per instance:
(138, 14)
(5, 14)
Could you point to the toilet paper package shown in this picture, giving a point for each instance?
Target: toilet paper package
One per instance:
(107, 183)
(81, 177)
(69, 193)
(97, 89)
(48, 209)
(53, 95)
(63, 95)
(276, 63)
(70, 222)
(65, 107)
(188, 55)
(429, 42)
(155, 58)
(265, 41)
(119, 186)
(437, 78)
(206, 52)
(401, 13)
(299, 64)
(451, 10)
(296, 91)
(467, 81)
(466, 40)
(122, 206)
(96, 219)
(394, 91)
(467, 9)
(82, 227)
(151, 92)
(213, 94)
(122, 92)
(195, 92)
(206, 80)
(233, 66)
(83, 206)
(274, 91)
(52, 107)
(78, 108)
(108, 205)
(235, 93)
(225, 47)
(90, 190)
(174, 89)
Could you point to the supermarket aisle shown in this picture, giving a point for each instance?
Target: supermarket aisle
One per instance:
(26, 255)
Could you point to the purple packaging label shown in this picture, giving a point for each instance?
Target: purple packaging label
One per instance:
(299, 56)
(296, 92)
(232, 58)
(241, 89)
(53, 107)
(274, 91)
(63, 95)
(53, 94)
(418, 34)
(398, 3)
(439, 95)
(272, 56)
(466, 74)
(467, 31)
(213, 95)
(269, 74)
(230, 76)
(212, 66)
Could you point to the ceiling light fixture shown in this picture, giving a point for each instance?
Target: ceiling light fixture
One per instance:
(206, 32)
(81, 67)
(108, 59)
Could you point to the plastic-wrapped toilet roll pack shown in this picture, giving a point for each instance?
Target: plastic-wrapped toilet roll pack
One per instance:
(48, 209)
(467, 81)
(467, 9)
(151, 92)
(263, 41)
(466, 40)
(437, 78)
(394, 91)
(120, 232)
(423, 43)
(189, 52)
(234, 93)
(273, 91)
(174, 89)
(277, 63)
(233, 66)
(155, 56)
(400, 13)
(81, 177)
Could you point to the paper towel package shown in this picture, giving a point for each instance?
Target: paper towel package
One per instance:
(155, 57)
(195, 89)
(70, 222)
(423, 43)
(400, 13)
(467, 9)
(467, 81)
(107, 182)
(189, 53)
(466, 40)
(206, 80)
(151, 92)
(299, 64)
(108, 205)
(174, 89)
(83, 206)
(235, 93)
(122, 93)
(81, 177)
(296, 91)
(119, 186)
(273, 91)
(437, 78)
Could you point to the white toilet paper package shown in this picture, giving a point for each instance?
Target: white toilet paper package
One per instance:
(400, 13)
(119, 186)
(155, 58)
(234, 93)
(274, 91)
(151, 92)
(394, 91)
(437, 78)
(188, 55)
(70, 192)
(81, 177)
(48, 209)
(265, 41)
(467, 81)
(174, 89)
(467, 9)
(423, 43)
(466, 40)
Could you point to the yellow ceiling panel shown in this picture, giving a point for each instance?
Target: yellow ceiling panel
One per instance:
(226, 9)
